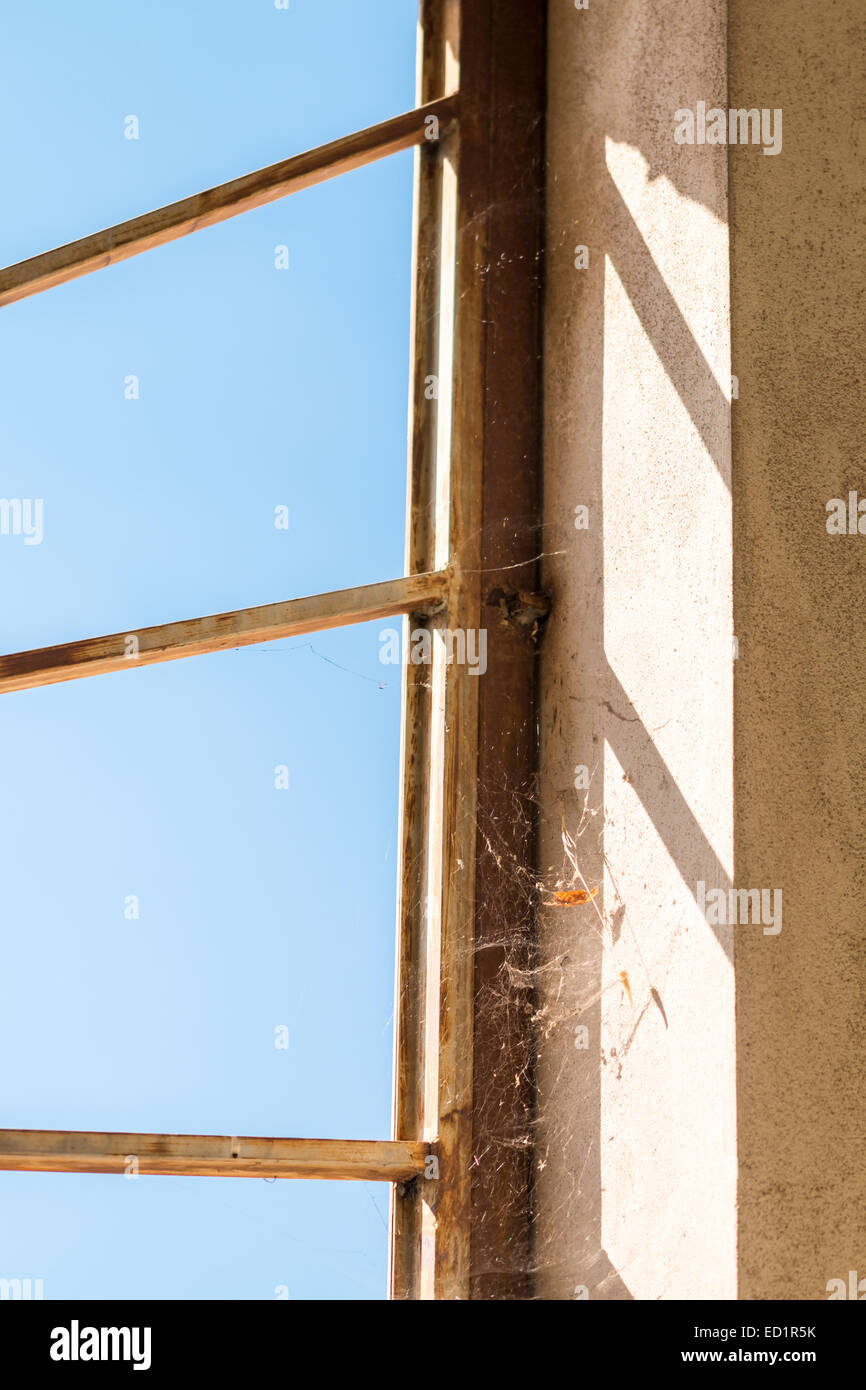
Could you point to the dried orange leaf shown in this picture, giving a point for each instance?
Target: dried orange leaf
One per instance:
(574, 895)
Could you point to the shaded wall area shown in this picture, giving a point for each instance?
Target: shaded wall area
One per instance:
(798, 289)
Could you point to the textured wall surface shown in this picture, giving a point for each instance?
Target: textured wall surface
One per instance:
(635, 1169)
(798, 288)
(639, 1156)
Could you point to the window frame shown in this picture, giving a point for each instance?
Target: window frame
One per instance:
(459, 1158)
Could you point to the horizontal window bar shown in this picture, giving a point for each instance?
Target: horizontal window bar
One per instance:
(210, 1155)
(217, 204)
(122, 651)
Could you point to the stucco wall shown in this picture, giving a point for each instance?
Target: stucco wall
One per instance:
(635, 1168)
(652, 1132)
(799, 426)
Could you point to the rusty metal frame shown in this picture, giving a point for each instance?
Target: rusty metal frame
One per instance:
(459, 1158)
(469, 743)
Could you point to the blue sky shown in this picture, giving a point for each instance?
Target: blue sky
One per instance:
(258, 388)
